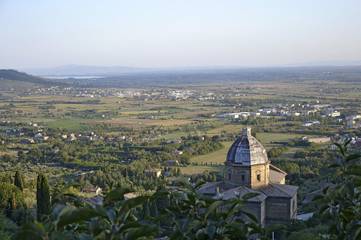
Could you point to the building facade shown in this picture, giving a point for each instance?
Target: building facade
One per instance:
(248, 170)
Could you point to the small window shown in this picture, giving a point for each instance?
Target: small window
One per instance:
(258, 177)
(229, 176)
(243, 178)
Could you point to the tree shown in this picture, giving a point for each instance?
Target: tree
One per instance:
(42, 197)
(173, 214)
(341, 202)
(11, 206)
(8, 191)
(18, 181)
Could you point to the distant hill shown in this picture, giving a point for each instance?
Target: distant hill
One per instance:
(13, 75)
(83, 70)
(198, 76)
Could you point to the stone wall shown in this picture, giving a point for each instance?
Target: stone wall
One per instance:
(278, 210)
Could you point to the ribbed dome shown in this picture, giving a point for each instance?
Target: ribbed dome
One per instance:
(247, 150)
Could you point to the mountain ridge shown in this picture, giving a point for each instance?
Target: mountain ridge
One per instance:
(11, 75)
(81, 70)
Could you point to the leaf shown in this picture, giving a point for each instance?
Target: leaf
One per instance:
(143, 231)
(77, 215)
(353, 157)
(324, 191)
(340, 148)
(347, 142)
(212, 208)
(354, 170)
(117, 194)
(357, 234)
(211, 231)
(323, 209)
(318, 197)
(133, 202)
(334, 165)
(34, 231)
(250, 216)
(199, 184)
(249, 195)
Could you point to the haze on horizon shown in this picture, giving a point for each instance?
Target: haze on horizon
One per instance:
(163, 33)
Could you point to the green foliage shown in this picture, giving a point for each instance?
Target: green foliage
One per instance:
(10, 192)
(18, 181)
(276, 152)
(42, 197)
(342, 202)
(179, 213)
(7, 228)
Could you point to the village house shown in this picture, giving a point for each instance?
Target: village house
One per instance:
(93, 190)
(172, 163)
(153, 172)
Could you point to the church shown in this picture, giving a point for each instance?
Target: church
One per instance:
(248, 170)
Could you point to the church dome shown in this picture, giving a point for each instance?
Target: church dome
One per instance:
(247, 150)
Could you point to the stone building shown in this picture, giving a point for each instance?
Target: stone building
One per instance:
(248, 170)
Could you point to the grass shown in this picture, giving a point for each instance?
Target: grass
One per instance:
(68, 124)
(229, 128)
(147, 122)
(268, 138)
(214, 157)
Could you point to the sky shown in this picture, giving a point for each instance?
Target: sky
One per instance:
(179, 33)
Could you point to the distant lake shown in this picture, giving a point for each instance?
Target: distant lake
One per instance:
(74, 77)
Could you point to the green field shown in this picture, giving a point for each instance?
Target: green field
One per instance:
(267, 139)
(69, 124)
(217, 157)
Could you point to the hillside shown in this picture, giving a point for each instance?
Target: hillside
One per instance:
(13, 75)
(84, 70)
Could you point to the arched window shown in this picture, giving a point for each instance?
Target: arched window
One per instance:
(258, 175)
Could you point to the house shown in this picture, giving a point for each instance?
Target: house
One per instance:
(94, 190)
(311, 123)
(353, 121)
(172, 163)
(153, 172)
(236, 115)
(319, 140)
(39, 137)
(330, 112)
(131, 195)
(27, 141)
(178, 152)
(72, 137)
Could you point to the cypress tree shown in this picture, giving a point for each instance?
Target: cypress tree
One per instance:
(42, 197)
(11, 206)
(18, 181)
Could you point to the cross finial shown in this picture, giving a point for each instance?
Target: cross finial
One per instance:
(246, 131)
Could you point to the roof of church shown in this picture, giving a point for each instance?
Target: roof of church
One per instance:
(276, 175)
(247, 150)
(279, 190)
(224, 191)
(220, 190)
(240, 192)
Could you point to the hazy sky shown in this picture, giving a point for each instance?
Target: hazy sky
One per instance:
(171, 33)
